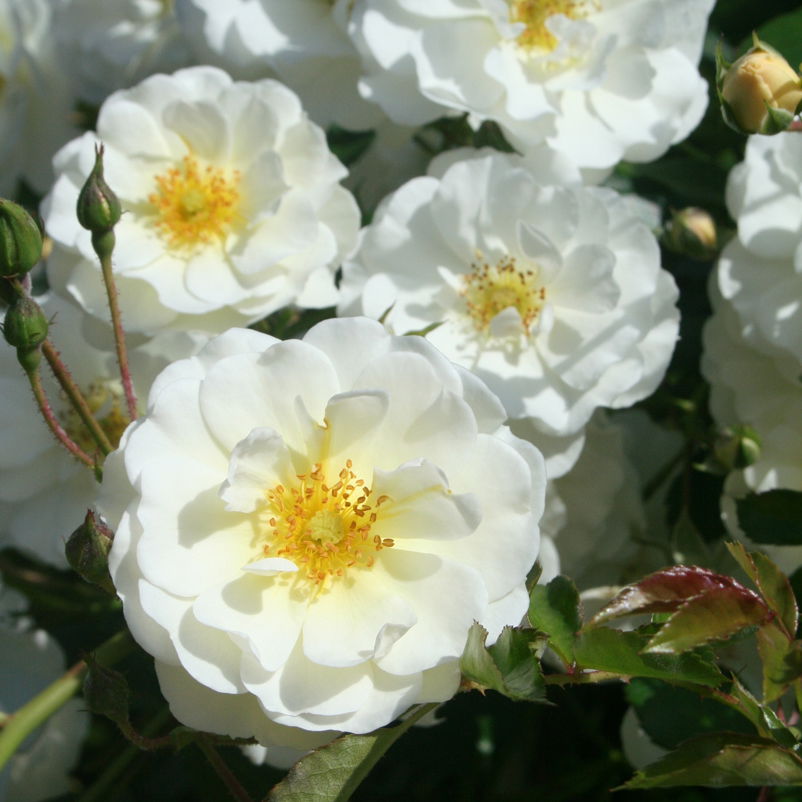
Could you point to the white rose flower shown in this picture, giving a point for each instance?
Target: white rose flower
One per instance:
(600, 80)
(759, 270)
(106, 45)
(593, 507)
(35, 103)
(762, 390)
(44, 491)
(603, 510)
(553, 295)
(29, 661)
(306, 530)
(232, 208)
(304, 43)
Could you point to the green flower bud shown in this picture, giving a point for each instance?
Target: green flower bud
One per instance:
(106, 693)
(692, 233)
(25, 326)
(737, 447)
(88, 552)
(98, 208)
(20, 240)
(760, 93)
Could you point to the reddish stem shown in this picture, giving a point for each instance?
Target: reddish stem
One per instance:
(52, 421)
(119, 333)
(76, 397)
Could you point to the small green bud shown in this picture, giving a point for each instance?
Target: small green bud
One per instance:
(106, 693)
(88, 552)
(20, 240)
(692, 232)
(737, 447)
(98, 208)
(25, 325)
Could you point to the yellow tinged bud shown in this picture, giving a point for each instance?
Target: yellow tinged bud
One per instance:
(758, 81)
(692, 232)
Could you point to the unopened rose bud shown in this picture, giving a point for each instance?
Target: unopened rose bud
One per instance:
(20, 240)
(737, 447)
(760, 92)
(98, 208)
(692, 232)
(25, 325)
(88, 552)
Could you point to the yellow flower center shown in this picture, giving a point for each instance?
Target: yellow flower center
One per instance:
(534, 13)
(194, 205)
(107, 407)
(325, 529)
(491, 289)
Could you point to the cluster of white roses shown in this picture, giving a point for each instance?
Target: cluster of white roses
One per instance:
(753, 342)
(306, 529)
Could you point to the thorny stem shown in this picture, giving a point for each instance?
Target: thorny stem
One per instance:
(35, 379)
(223, 771)
(20, 724)
(76, 397)
(119, 334)
(586, 678)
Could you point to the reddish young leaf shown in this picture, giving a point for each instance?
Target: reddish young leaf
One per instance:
(716, 614)
(667, 590)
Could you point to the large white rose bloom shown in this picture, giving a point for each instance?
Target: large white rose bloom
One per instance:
(759, 389)
(759, 272)
(306, 530)
(232, 208)
(601, 80)
(106, 45)
(553, 295)
(36, 115)
(44, 491)
(304, 43)
(29, 661)
(599, 511)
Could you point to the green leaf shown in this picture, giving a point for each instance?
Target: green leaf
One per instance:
(670, 714)
(774, 517)
(348, 146)
(333, 772)
(773, 646)
(762, 716)
(715, 615)
(620, 653)
(510, 666)
(772, 583)
(554, 609)
(722, 760)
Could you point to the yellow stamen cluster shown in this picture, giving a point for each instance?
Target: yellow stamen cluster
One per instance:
(106, 405)
(534, 13)
(325, 529)
(491, 289)
(194, 205)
